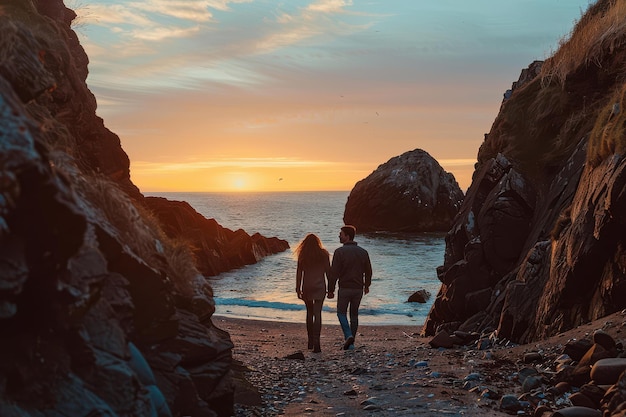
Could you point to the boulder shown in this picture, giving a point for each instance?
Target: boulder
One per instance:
(420, 296)
(408, 193)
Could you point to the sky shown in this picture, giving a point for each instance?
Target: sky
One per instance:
(305, 95)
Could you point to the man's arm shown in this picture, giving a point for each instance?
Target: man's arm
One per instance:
(368, 274)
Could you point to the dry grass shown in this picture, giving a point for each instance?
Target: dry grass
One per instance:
(140, 230)
(598, 33)
(607, 136)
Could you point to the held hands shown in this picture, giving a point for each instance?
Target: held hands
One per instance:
(331, 294)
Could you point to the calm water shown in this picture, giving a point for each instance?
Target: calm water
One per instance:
(402, 263)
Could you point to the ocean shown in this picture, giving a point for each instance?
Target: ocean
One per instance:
(401, 263)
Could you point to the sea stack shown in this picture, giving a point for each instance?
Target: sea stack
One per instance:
(408, 193)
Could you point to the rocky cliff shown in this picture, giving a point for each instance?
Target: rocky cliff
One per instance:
(539, 245)
(102, 308)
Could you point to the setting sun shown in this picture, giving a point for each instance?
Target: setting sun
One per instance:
(237, 181)
(236, 95)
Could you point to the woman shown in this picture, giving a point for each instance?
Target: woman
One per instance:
(311, 276)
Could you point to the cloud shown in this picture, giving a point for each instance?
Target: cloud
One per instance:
(227, 163)
(316, 19)
(329, 6)
(104, 15)
(222, 5)
(192, 10)
(162, 32)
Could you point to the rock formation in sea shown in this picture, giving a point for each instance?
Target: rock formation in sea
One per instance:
(102, 308)
(408, 193)
(539, 245)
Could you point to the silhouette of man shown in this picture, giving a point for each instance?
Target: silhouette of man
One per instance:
(352, 268)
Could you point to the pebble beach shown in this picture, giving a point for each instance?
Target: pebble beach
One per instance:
(393, 371)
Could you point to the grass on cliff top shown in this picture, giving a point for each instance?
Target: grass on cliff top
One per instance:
(607, 136)
(600, 30)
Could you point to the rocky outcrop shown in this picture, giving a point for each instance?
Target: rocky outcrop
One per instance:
(215, 248)
(101, 312)
(408, 193)
(538, 246)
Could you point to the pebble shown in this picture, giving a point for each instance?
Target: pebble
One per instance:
(577, 412)
(531, 357)
(603, 339)
(607, 371)
(405, 381)
(581, 400)
(510, 402)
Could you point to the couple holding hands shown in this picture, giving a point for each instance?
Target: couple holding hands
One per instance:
(350, 266)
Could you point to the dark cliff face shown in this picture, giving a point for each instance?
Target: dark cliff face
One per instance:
(102, 310)
(538, 245)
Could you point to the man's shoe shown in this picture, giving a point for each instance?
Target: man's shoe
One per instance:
(317, 348)
(349, 342)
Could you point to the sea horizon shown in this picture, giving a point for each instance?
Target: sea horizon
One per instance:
(402, 262)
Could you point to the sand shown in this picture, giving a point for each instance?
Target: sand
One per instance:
(391, 372)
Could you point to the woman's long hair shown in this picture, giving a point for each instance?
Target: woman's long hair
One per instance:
(311, 251)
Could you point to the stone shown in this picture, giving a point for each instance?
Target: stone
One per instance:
(577, 412)
(531, 382)
(607, 371)
(604, 339)
(296, 355)
(531, 357)
(582, 372)
(509, 402)
(441, 339)
(581, 400)
(420, 296)
(576, 349)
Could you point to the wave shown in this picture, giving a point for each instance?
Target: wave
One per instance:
(277, 305)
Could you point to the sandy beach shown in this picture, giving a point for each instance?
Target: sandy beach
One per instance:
(392, 371)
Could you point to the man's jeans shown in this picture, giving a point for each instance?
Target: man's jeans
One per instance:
(349, 297)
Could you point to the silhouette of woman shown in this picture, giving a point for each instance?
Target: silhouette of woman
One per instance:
(311, 276)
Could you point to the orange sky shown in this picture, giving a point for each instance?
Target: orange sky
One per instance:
(219, 95)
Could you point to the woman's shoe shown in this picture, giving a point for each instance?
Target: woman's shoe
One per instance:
(311, 344)
(317, 348)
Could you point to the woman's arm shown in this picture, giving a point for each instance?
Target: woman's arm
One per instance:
(299, 274)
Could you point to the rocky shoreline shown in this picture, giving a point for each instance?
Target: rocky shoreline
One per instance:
(395, 371)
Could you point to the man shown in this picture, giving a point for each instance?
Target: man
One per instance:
(351, 266)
